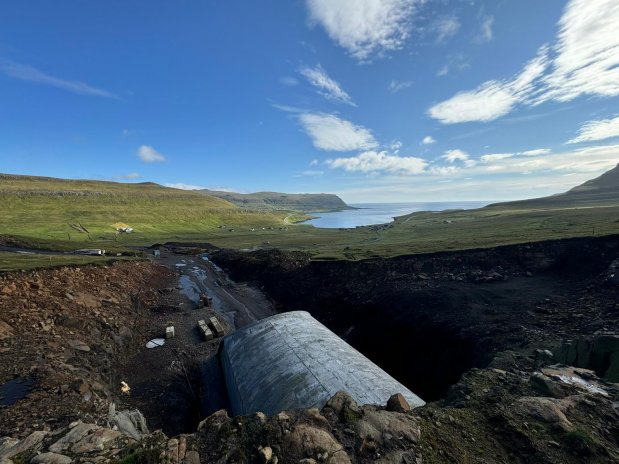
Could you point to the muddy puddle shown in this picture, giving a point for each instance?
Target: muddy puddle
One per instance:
(14, 390)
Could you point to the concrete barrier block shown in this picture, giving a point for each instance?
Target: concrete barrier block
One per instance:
(206, 332)
(216, 326)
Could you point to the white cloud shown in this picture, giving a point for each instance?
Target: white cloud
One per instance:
(455, 62)
(364, 27)
(597, 130)
(536, 152)
(309, 173)
(446, 28)
(495, 157)
(428, 140)
(584, 60)
(314, 162)
(149, 155)
(330, 133)
(444, 170)
(396, 86)
(455, 155)
(508, 178)
(396, 146)
(32, 74)
(587, 52)
(379, 161)
(583, 160)
(492, 99)
(501, 156)
(326, 86)
(486, 29)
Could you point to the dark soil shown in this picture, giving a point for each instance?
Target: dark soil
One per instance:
(427, 319)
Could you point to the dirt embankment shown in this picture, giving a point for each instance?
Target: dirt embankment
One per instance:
(63, 334)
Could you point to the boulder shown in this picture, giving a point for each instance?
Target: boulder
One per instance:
(31, 442)
(398, 403)
(376, 424)
(99, 440)
(79, 431)
(546, 410)
(51, 458)
(306, 441)
(130, 423)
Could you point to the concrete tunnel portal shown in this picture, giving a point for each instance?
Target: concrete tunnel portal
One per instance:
(292, 361)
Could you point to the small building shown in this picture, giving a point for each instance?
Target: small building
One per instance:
(121, 227)
(156, 253)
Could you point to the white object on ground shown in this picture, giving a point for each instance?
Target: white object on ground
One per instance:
(155, 342)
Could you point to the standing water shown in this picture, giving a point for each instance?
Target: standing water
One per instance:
(368, 214)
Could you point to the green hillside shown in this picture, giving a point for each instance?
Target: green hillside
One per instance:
(304, 202)
(601, 191)
(70, 211)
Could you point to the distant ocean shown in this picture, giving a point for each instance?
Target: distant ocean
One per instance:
(381, 213)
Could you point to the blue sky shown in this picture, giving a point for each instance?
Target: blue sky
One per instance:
(375, 100)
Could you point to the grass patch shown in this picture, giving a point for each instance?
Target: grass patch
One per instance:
(38, 213)
(579, 442)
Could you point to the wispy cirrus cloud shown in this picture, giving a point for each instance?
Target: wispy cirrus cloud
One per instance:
(379, 161)
(183, 186)
(597, 130)
(486, 33)
(289, 81)
(325, 85)
(455, 62)
(578, 63)
(395, 86)
(309, 173)
(364, 28)
(331, 133)
(446, 28)
(490, 158)
(130, 176)
(29, 73)
(149, 155)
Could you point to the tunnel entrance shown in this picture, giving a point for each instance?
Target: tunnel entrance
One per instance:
(426, 356)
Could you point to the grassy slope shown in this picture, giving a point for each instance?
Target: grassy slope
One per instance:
(41, 210)
(426, 232)
(161, 214)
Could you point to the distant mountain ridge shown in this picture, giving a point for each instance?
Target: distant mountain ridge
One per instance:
(601, 191)
(304, 202)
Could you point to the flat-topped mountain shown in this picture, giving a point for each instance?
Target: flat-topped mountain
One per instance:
(305, 202)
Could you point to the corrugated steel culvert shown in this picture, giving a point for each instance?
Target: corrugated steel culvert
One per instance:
(291, 361)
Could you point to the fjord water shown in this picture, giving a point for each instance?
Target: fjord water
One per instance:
(368, 214)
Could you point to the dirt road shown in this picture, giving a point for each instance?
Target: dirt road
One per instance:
(178, 384)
